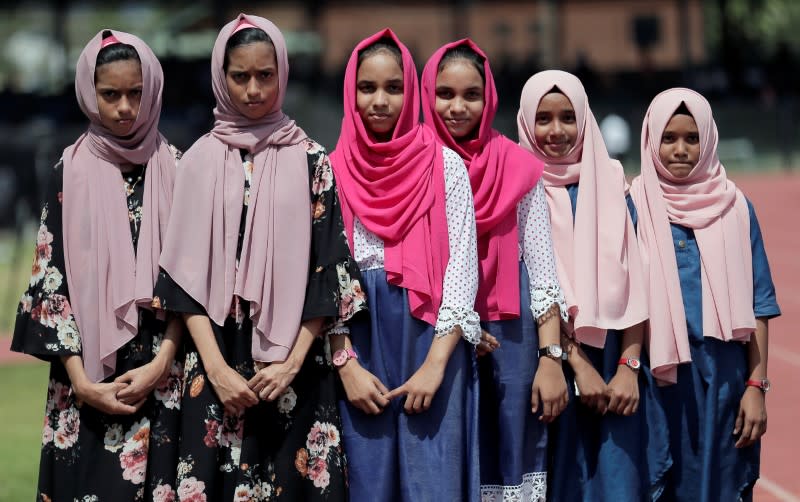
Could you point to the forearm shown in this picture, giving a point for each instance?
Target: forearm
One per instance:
(632, 339)
(309, 331)
(576, 357)
(757, 351)
(76, 373)
(171, 341)
(550, 327)
(442, 347)
(202, 334)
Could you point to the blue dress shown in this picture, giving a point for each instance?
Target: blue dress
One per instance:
(701, 408)
(609, 458)
(513, 441)
(431, 456)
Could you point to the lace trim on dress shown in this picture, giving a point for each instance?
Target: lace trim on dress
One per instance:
(532, 489)
(542, 297)
(466, 318)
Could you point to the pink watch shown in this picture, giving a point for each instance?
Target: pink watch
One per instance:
(341, 356)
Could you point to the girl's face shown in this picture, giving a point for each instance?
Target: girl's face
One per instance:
(680, 145)
(118, 87)
(379, 94)
(252, 78)
(459, 98)
(556, 127)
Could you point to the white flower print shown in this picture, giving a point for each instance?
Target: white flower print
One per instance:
(287, 401)
(25, 303)
(114, 438)
(68, 335)
(52, 279)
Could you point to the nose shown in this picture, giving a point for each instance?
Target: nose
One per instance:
(557, 128)
(681, 149)
(457, 105)
(381, 99)
(253, 89)
(124, 107)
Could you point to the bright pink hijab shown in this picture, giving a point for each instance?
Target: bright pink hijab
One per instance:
(108, 281)
(597, 258)
(200, 249)
(501, 173)
(396, 189)
(710, 204)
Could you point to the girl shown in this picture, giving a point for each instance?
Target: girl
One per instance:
(255, 260)
(621, 455)
(88, 308)
(518, 287)
(408, 214)
(710, 287)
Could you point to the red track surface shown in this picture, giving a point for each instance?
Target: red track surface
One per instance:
(777, 201)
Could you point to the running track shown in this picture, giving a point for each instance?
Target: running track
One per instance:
(777, 201)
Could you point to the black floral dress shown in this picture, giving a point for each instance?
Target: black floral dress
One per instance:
(289, 449)
(89, 456)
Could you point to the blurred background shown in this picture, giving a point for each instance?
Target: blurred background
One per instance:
(743, 55)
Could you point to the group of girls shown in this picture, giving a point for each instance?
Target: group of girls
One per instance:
(432, 312)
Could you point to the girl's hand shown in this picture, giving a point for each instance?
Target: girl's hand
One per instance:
(623, 391)
(364, 390)
(231, 389)
(141, 381)
(421, 387)
(273, 379)
(549, 389)
(592, 388)
(751, 422)
(103, 397)
(487, 345)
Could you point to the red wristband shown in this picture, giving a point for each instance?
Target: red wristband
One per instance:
(630, 362)
(764, 384)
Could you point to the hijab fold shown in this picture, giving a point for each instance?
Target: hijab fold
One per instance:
(501, 174)
(710, 204)
(597, 258)
(396, 188)
(200, 250)
(108, 280)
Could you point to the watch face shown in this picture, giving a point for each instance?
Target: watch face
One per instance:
(634, 363)
(765, 384)
(339, 358)
(555, 350)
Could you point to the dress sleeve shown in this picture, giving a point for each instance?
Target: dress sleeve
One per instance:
(334, 287)
(765, 303)
(45, 326)
(461, 276)
(537, 252)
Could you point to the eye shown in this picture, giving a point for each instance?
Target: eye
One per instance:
(366, 88)
(568, 117)
(474, 96)
(265, 75)
(109, 94)
(542, 118)
(394, 89)
(693, 138)
(444, 94)
(238, 77)
(136, 93)
(668, 137)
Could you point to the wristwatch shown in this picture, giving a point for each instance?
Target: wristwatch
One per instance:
(553, 351)
(341, 356)
(763, 384)
(631, 362)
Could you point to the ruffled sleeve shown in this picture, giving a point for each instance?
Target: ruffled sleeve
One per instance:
(334, 280)
(461, 275)
(536, 245)
(45, 326)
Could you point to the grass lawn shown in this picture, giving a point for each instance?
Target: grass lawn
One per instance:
(22, 399)
(16, 256)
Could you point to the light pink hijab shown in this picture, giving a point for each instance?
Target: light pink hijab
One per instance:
(200, 248)
(108, 282)
(597, 258)
(396, 189)
(710, 204)
(501, 173)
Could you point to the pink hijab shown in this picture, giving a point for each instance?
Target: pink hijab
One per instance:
(200, 249)
(501, 173)
(597, 258)
(710, 204)
(108, 281)
(396, 189)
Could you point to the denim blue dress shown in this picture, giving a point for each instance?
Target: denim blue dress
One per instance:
(608, 458)
(701, 408)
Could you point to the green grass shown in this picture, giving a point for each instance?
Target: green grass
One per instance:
(16, 256)
(23, 390)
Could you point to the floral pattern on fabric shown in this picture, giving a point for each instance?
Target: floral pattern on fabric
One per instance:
(129, 457)
(288, 449)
